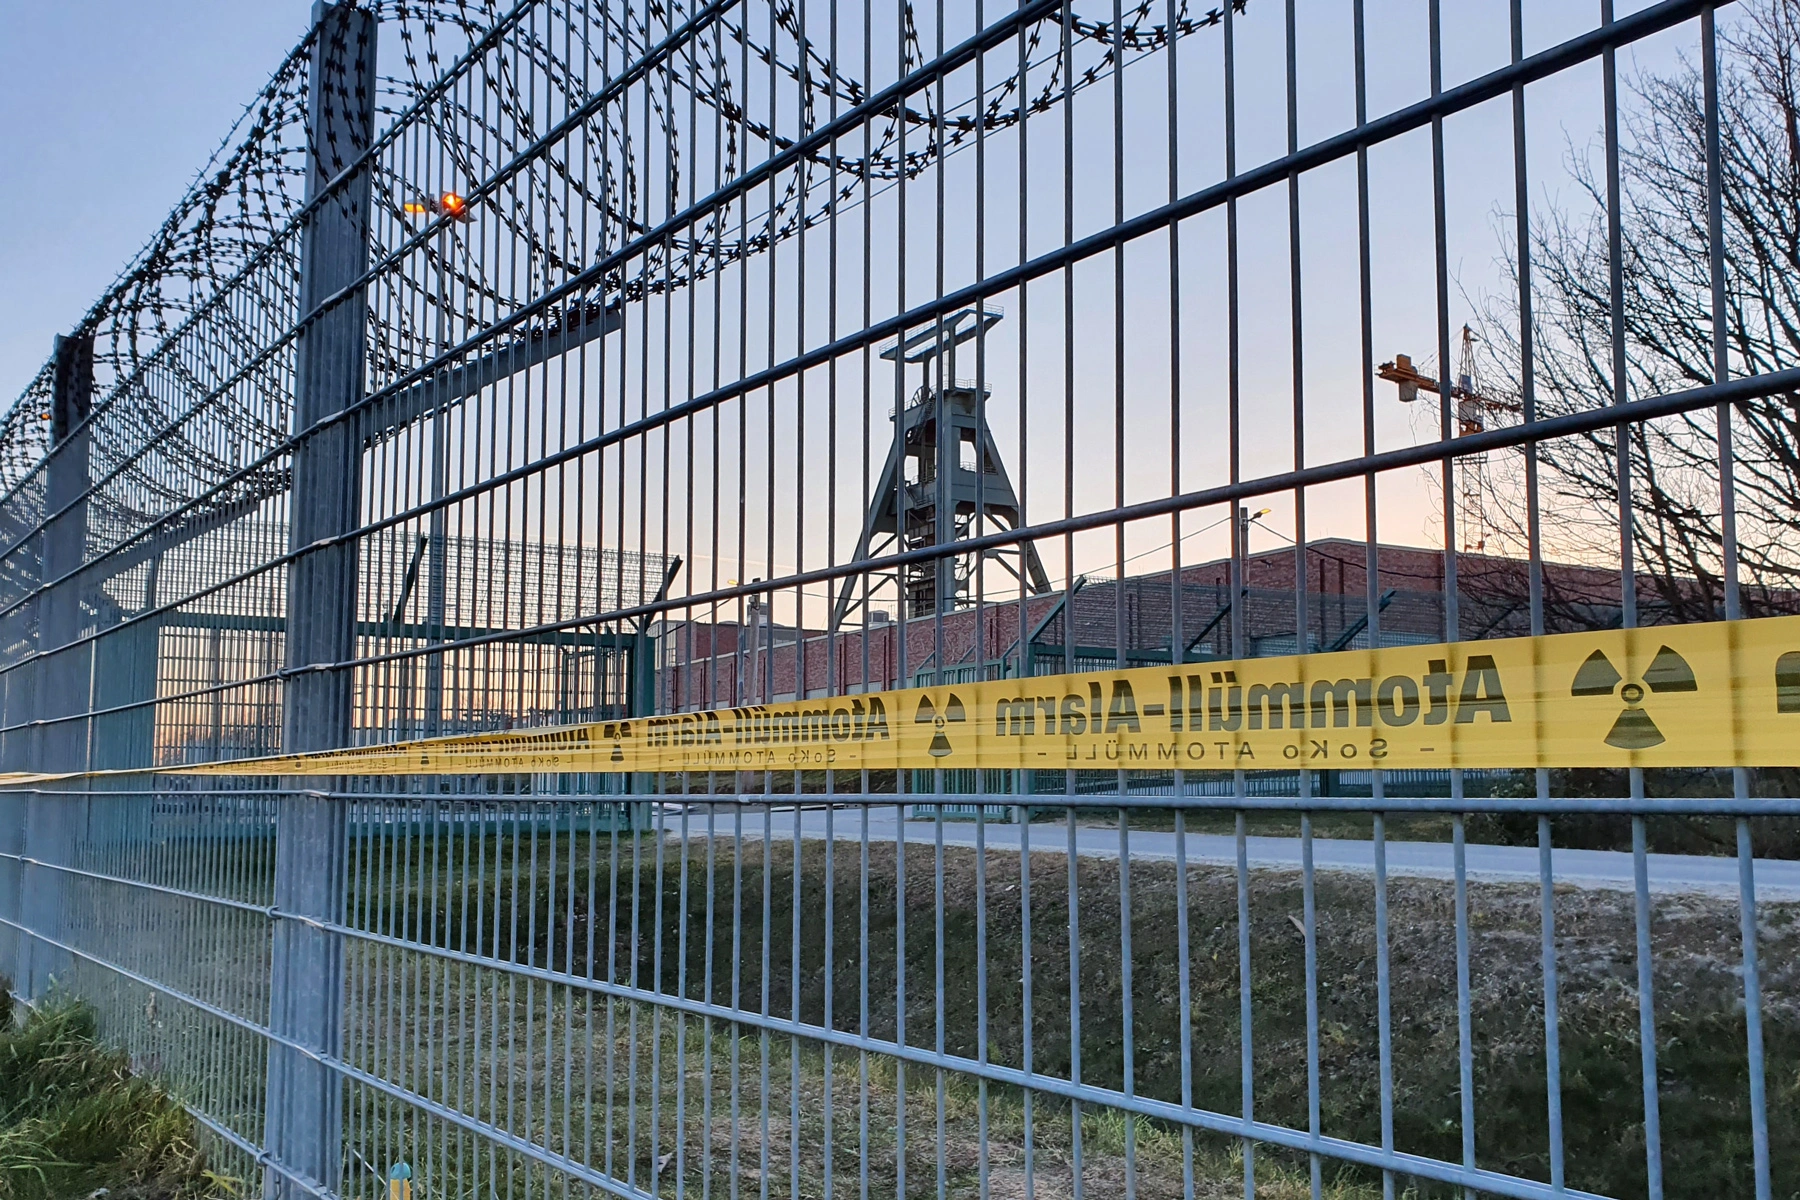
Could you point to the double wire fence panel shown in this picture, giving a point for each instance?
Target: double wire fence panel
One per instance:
(571, 365)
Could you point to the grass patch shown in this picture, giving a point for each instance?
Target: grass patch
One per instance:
(74, 1120)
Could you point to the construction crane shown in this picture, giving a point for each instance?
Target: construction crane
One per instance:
(1474, 408)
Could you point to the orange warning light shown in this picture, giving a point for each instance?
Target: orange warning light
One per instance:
(450, 204)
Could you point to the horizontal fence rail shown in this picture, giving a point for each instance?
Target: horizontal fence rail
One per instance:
(600, 370)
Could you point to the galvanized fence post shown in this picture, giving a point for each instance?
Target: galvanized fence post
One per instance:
(63, 673)
(304, 1104)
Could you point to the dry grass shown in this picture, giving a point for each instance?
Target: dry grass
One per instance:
(675, 1127)
(531, 1056)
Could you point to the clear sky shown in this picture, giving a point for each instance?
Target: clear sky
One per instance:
(107, 108)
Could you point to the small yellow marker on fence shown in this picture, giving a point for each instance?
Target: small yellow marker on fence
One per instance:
(400, 1182)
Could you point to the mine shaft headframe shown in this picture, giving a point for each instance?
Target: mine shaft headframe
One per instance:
(948, 496)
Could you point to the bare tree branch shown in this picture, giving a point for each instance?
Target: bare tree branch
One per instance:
(1675, 525)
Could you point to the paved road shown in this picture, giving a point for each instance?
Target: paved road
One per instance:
(1603, 869)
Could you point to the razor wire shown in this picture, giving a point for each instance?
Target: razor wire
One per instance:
(231, 220)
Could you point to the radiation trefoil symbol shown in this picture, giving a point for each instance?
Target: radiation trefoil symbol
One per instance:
(1634, 730)
(929, 715)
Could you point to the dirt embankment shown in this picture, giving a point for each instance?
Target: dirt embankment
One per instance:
(971, 951)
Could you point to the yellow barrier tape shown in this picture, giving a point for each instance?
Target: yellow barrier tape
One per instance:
(1715, 694)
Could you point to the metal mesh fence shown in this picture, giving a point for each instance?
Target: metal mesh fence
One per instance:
(525, 365)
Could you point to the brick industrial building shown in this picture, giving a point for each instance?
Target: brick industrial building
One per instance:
(1146, 619)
